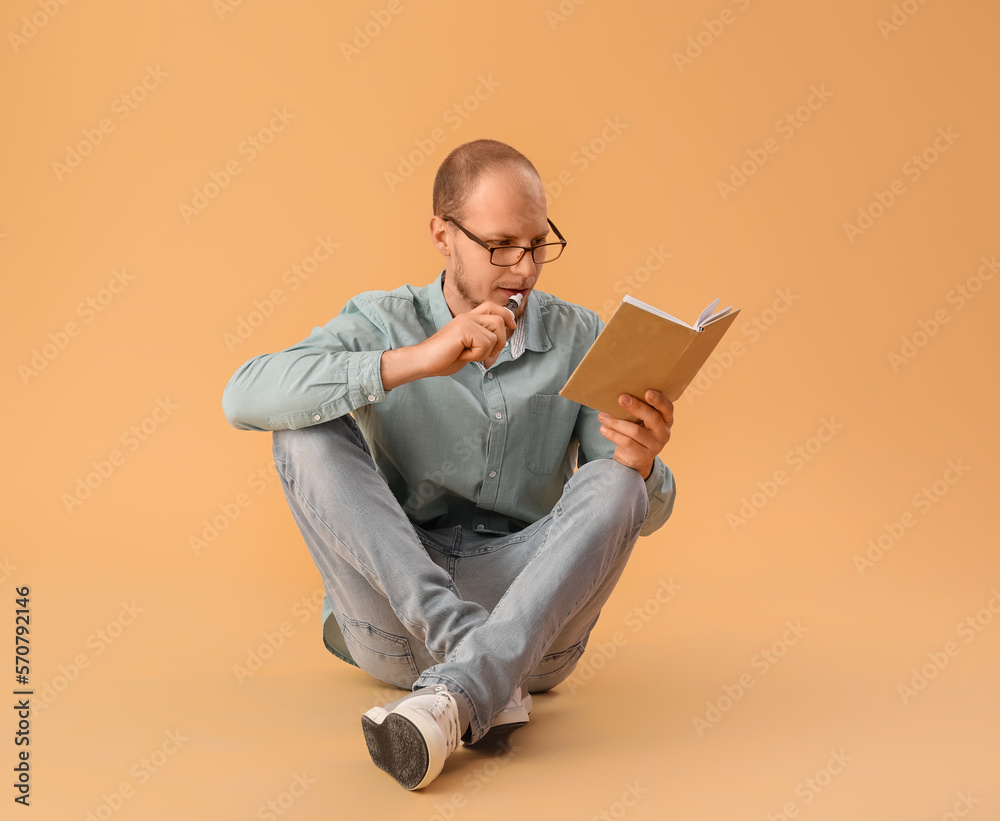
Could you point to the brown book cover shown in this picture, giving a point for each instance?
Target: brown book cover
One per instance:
(643, 348)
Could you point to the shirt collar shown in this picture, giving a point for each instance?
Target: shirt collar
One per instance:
(535, 336)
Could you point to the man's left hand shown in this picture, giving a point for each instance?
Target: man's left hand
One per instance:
(639, 443)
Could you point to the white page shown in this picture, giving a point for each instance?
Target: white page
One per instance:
(704, 319)
(646, 307)
(718, 315)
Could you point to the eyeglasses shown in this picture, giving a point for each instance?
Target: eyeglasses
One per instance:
(507, 255)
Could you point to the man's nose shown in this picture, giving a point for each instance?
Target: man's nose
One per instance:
(526, 265)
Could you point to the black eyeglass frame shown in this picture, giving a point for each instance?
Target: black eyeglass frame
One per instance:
(522, 248)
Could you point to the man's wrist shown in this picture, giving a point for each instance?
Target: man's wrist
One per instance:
(397, 368)
(645, 474)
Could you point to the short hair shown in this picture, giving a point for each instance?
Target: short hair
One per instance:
(460, 171)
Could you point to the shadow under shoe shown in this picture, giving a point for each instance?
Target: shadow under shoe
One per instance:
(512, 717)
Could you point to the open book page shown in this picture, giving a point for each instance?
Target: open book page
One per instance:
(706, 317)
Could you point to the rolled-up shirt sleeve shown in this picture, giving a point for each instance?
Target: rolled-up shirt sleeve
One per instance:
(333, 371)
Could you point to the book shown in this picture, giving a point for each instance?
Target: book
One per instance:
(643, 348)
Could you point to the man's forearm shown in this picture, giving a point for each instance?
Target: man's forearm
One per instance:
(399, 366)
(301, 386)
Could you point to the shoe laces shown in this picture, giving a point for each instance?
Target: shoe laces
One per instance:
(444, 711)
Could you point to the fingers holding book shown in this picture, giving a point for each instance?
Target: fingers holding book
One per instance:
(639, 443)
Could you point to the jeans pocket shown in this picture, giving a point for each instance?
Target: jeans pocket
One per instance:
(555, 667)
(380, 654)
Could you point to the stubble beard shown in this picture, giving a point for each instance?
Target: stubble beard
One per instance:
(462, 285)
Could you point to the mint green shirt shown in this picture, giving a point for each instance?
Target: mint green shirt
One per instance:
(487, 448)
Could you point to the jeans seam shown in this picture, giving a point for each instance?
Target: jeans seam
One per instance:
(575, 650)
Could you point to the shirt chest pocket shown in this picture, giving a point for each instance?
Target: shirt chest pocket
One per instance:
(551, 419)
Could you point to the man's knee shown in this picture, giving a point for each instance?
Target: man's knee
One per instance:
(317, 441)
(614, 487)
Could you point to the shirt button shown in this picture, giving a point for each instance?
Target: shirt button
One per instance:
(316, 417)
(479, 527)
(371, 397)
(489, 376)
(499, 415)
(493, 474)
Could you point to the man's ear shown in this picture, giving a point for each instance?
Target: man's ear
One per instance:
(439, 236)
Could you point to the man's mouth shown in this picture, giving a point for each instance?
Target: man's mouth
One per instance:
(511, 291)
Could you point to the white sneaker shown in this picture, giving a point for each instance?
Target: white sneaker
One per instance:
(410, 738)
(513, 716)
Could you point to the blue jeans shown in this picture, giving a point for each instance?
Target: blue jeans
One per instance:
(477, 612)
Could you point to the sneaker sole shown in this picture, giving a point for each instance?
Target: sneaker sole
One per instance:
(398, 744)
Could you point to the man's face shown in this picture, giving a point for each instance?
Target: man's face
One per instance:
(503, 209)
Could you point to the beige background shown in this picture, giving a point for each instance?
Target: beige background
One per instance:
(138, 630)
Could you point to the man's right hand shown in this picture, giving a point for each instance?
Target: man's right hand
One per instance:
(475, 336)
